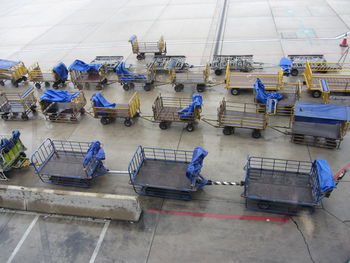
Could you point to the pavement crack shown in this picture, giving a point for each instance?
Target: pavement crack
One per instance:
(337, 218)
(302, 234)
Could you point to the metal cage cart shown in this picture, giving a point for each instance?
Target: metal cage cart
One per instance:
(197, 77)
(108, 112)
(129, 79)
(110, 62)
(233, 115)
(83, 74)
(61, 106)
(336, 82)
(242, 81)
(69, 163)
(142, 48)
(244, 63)
(171, 109)
(12, 153)
(164, 173)
(17, 105)
(57, 76)
(327, 98)
(15, 71)
(298, 62)
(286, 186)
(164, 63)
(320, 125)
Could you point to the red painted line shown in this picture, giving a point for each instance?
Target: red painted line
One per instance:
(237, 217)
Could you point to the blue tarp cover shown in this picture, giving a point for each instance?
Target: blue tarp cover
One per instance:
(262, 95)
(187, 112)
(324, 85)
(286, 65)
(100, 101)
(126, 75)
(52, 95)
(195, 166)
(82, 66)
(61, 70)
(8, 144)
(325, 176)
(95, 151)
(309, 110)
(6, 64)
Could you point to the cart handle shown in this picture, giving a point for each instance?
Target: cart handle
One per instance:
(341, 173)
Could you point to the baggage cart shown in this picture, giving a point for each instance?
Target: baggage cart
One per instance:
(143, 48)
(15, 71)
(244, 63)
(37, 76)
(110, 62)
(327, 98)
(164, 63)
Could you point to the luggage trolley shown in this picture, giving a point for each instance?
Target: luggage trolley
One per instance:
(171, 109)
(327, 98)
(142, 48)
(69, 163)
(110, 62)
(16, 105)
(58, 76)
(108, 112)
(12, 70)
(197, 77)
(163, 63)
(12, 153)
(298, 62)
(62, 106)
(242, 63)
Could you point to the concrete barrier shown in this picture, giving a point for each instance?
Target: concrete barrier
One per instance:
(96, 205)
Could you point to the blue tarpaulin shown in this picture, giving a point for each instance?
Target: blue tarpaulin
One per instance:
(61, 70)
(6, 64)
(187, 112)
(195, 166)
(262, 95)
(324, 85)
(325, 176)
(127, 76)
(82, 66)
(95, 151)
(286, 65)
(52, 95)
(324, 113)
(7, 144)
(100, 101)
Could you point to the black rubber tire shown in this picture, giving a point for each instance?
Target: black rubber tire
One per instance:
(24, 117)
(190, 127)
(316, 93)
(294, 72)
(263, 205)
(140, 56)
(200, 88)
(5, 117)
(147, 87)
(256, 134)
(163, 125)
(228, 130)
(15, 84)
(235, 92)
(2, 83)
(218, 72)
(47, 84)
(55, 86)
(104, 82)
(105, 120)
(127, 122)
(33, 108)
(37, 85)
(24, 78)
(179, 87)
(82, 111)
(126, 87)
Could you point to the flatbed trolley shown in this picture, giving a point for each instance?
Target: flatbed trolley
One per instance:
(163, 173)
(286, 186)
(163, 63)
(166, 110)
(320, 125)
(12, 154)
(198, 77)
(327, 98)
(15, 71)
(110, 62)
(336, 82)
(244, 63)
(64, 110)
(244, 81)
(128, 112)
(17, 105)
(299, 62)
(233, 115)
(57, 78)
(143, 48)
(68, 163)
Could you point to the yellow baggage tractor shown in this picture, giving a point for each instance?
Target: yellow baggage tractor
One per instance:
(15, 71)
(57, 76)
(142, 48)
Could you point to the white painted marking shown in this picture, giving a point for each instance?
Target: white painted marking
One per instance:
(20, 243)
(99, 242)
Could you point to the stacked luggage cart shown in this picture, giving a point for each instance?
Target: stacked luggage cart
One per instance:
(244, 63)
(143, 48)
(164, 63)
(15, 71)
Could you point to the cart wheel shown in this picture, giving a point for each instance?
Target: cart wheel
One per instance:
(235, 92)
(23, 155)
(33, 108)
(104, 82)
(5, 117)
(2, 83)
(264, 205)
(15, 84)
(190, 127)
(82, 111)
(24, 117)
(256, 134)
(47, 84)
(55, 86)
(126, 87)
(179, 87)
(316, 93)
(163, 125)
(105, 120)
(127, 122)
(228, 130)
(37, 85)
(218, 72)
(294, 72)
(24, 78)
(99, 87)
(200, 87)
(147, 87)
(140, 56)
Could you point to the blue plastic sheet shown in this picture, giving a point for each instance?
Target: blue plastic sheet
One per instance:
(187, 113)
(132, 38)
(324, 85)
(82, 66)
(262, 95)
(95, 151)
(195, 166)
(126, 76)
(100, 101)
(6, 64)
(7, 144)
(52, 95)
(61, 70)
(325, 176)
(286, 65)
